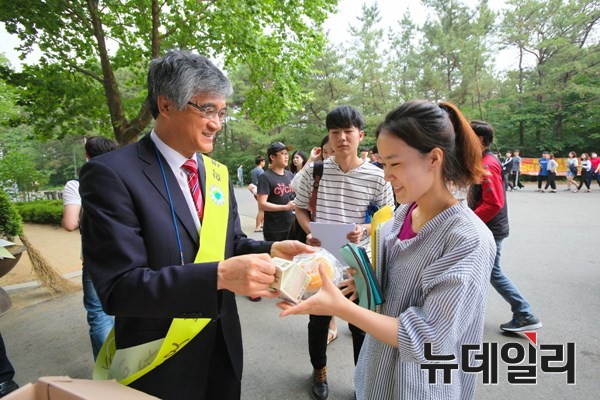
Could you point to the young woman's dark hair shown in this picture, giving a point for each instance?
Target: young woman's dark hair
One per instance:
(324, 141)
(424, 126)
(293, 168)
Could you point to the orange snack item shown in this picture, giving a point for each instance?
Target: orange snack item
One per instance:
(312, 270)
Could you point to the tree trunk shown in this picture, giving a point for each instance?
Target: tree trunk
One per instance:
(520, 88)
(559, 120)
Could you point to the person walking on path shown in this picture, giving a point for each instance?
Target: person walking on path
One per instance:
(254, 175)
(586, 174)
(552, 166)
(595, 160)
(506, 169)
(100, 323)
(516, 171)
(240, 175)
(572, 164)
(543, 171)
(488, 201)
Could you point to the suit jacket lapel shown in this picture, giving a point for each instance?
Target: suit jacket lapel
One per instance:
(147, 152)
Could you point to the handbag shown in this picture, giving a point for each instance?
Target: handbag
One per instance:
(296, 232)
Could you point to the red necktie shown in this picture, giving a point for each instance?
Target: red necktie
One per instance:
(192, 172)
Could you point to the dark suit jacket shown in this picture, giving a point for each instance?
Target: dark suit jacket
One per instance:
(130, 250)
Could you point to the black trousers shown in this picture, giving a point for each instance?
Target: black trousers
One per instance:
(275, 236)
(586, 178)
(506, 180)
(7, 371)
(541, 178)
(551, 181)
(318, 327)
(222, 383)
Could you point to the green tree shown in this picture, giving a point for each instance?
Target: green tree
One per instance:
(99, 50)
(403, 65)
(365, 63)
(456, 52)
(17, 169)
(554, 92)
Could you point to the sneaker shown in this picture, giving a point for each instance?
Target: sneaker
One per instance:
(522, 324)
(319, 389)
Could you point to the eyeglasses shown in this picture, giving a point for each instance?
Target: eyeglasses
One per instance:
(209, 112)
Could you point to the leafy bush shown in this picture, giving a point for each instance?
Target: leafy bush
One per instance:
(41, 211)
(10, 221)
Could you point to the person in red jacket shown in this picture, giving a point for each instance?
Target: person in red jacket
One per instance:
(488, 201)
(595, 167)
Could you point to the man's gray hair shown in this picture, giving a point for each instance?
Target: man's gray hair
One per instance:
(180, 75)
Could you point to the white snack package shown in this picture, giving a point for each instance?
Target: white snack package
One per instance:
(310, 264)
(290, 280)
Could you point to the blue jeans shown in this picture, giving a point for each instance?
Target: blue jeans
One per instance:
(100, 323)
(507, 289)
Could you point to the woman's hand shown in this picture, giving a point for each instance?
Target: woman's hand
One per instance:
(329, 300)
(315, 154)
(349, 286)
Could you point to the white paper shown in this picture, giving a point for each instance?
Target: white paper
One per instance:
(4, 243)
(4, 253)
(332, 236)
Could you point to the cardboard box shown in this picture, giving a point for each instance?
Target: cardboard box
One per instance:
(66, 388)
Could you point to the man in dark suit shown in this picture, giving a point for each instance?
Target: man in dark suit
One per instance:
(141, 236)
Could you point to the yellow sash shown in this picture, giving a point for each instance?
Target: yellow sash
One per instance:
(127, 365)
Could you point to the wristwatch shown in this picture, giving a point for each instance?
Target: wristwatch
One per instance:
(365, 233)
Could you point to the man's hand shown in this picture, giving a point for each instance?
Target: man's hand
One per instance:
(291, 205)
(287, 249)
(356, 234)
(248, 275)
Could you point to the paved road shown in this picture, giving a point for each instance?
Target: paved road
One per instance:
(552, 255)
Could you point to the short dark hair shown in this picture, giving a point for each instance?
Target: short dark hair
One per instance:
(96, 145)
(344, 117)
(484, 130)
(374, 150)
(259, 159)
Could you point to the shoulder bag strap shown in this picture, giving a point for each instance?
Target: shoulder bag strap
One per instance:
(312, 204)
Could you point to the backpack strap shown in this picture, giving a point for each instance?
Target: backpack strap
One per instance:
(312, 204)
